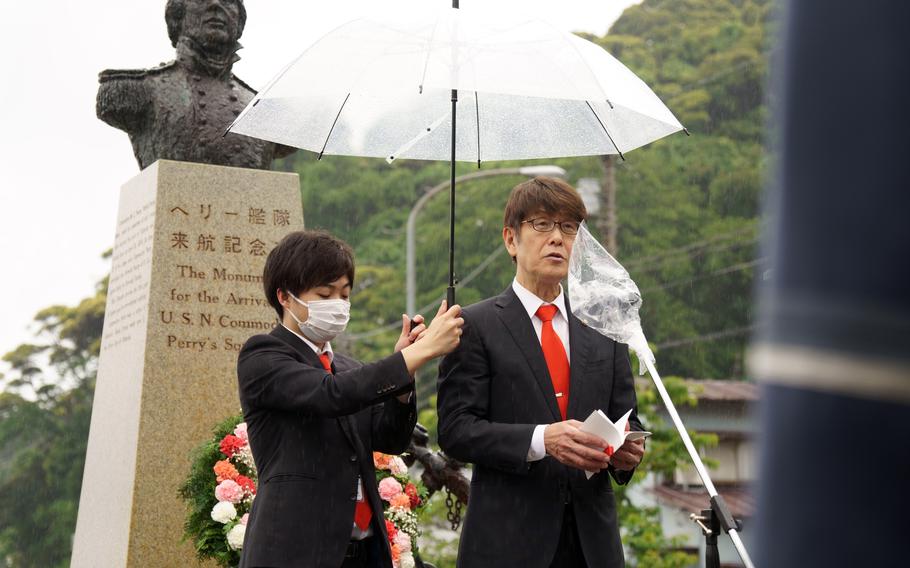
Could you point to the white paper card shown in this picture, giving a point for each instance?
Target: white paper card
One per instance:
(614, 433)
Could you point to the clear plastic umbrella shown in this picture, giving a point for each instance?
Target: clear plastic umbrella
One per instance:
(391, 86)
(381, 86)
(604, 297)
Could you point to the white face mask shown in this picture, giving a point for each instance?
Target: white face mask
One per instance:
(326, 319)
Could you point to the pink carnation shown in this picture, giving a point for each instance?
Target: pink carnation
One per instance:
(244, 518)
(389, 488)
(403, 541)
(229, 490)
(240, 432)
(397, 466)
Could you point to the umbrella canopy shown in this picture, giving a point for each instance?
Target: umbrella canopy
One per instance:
(391, 86)
(382, 87)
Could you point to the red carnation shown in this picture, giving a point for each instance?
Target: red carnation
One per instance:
(411, 491)
(390, 528)
(230, 445)
(246, 483)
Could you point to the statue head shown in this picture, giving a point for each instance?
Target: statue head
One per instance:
(214, 24)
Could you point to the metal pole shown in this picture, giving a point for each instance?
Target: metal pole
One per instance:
(717, 503)
(606, 220)
(450, 291)
(411, 268)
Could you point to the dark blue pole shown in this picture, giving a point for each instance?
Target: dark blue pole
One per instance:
(835, 353)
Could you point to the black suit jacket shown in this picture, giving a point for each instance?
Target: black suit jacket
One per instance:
(312, 435)
(493, 390)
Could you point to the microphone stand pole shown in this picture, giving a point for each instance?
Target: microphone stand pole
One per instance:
(719, 517)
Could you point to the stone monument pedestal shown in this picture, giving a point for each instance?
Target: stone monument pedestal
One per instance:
(185, 293)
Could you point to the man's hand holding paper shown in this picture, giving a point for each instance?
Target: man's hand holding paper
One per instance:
(631, 445)
(572, 446)
(629, 455)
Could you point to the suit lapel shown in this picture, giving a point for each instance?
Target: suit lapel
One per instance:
(309, 356)
(515, 319)
(580, 349)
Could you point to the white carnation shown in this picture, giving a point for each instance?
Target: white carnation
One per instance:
(235, 536)
(406, 560)
(224, 512)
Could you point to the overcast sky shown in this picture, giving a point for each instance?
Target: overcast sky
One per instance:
(61, 168)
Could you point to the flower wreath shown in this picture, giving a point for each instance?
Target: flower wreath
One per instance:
(221, 487)
(402, 499)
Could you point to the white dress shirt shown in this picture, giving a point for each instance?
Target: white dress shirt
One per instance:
(327, 348)
(537, 450)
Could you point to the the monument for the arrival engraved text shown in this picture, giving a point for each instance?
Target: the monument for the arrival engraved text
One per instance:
(185, 293)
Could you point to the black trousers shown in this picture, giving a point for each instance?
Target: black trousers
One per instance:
(364, 553)
(568, 552)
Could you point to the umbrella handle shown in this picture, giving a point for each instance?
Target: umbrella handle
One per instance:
(450, 296)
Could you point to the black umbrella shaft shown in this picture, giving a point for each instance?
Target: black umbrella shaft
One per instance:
(450, 292)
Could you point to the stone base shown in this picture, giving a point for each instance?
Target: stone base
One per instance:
(185, 293)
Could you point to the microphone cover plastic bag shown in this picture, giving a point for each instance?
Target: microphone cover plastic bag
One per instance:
(604, 296)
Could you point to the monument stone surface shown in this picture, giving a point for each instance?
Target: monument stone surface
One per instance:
(185, 293)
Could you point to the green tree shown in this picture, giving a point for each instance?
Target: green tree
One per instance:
(45, 410)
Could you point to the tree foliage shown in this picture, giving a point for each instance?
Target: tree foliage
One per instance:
(45, 410)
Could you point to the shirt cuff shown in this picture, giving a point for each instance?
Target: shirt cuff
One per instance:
(537, 451)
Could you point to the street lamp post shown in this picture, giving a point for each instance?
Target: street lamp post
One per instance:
(530, 171)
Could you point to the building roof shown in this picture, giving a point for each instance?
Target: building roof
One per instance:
(737, 497)
(718, 390)
(712, 389)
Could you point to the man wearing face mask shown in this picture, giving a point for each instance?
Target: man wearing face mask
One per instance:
(314, 416)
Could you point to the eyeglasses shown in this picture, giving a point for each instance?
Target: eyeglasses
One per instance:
(547, 225)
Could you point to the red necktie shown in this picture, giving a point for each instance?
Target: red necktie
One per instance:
(362, 512)
(555, 354)
(326, 362)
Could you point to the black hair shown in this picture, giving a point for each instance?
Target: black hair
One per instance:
(304, 260)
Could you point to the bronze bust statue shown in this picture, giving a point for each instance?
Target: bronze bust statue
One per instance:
(179, 110)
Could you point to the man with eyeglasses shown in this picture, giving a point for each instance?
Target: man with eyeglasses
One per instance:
(512, 395)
